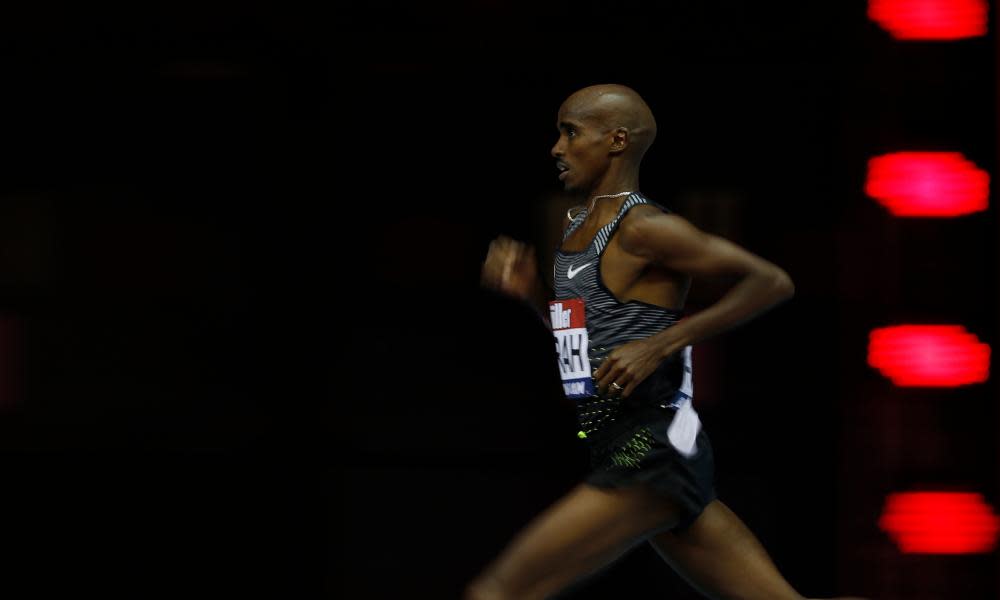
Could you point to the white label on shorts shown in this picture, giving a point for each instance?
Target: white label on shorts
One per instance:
(687, 383)
(683, 430)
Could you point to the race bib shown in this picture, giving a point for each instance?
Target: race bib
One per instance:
(569, 325)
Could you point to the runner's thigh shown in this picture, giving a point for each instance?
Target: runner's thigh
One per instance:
(580, 533)
(721, 557)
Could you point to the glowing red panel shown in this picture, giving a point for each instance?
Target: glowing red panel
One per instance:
(928, 184)
(930, 19)
(929, 355)
(940, 522)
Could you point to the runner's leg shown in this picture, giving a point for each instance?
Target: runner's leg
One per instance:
(578, 535)
(723, 559)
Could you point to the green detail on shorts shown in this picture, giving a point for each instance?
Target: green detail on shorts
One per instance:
(634, 450)
(596, 412)
(581, 434)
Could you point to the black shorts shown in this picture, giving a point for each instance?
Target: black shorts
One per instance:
(638, 452)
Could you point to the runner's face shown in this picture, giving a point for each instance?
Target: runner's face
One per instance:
(581, 152)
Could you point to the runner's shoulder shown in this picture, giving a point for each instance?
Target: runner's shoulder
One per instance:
(648, 220)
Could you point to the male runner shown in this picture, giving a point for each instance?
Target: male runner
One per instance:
(622, 275)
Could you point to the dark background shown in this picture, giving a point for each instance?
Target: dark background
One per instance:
(244, 350)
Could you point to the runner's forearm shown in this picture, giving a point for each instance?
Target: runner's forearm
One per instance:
(753, 295)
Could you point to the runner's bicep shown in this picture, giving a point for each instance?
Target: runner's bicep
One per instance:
(674, 243)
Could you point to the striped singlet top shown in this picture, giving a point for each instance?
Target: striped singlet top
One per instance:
(610, 322)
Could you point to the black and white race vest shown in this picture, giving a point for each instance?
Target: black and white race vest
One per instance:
(587, 318)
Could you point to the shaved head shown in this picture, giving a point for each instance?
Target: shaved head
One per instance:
(604, 131)
(612, 106)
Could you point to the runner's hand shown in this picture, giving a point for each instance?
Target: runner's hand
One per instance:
(511, 268)
(628, 365)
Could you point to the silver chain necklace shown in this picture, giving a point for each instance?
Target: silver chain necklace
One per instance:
(595, 199)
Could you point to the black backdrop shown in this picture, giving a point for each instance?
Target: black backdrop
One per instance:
(240, 259)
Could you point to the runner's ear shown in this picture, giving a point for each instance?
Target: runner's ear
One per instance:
(619, 140)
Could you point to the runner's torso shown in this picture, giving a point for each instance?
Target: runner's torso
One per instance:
(588, 321)
(577, 274)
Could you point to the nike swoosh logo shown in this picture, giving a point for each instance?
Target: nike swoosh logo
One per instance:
(571, 272)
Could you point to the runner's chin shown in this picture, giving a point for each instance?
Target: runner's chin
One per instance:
(566, 178)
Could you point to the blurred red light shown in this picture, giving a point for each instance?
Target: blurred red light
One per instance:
(928, 184)
(929, 355)
(930, 19)
(940, 522)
